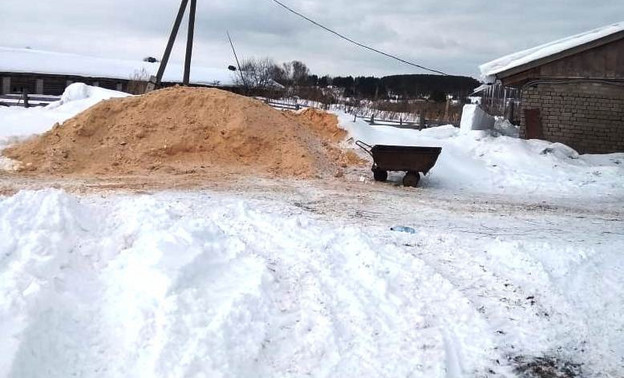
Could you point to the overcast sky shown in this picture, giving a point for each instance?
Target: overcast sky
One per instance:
(454, 36)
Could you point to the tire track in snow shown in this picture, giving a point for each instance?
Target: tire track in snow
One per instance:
(415, 276)
(175, 284)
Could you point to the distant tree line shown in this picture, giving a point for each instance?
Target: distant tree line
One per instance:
(295, 77)
(404, 87)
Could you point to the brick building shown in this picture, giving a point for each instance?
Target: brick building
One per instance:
(570, 91)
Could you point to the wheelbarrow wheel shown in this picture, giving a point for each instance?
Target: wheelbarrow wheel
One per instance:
(411, 179)
(380, 175)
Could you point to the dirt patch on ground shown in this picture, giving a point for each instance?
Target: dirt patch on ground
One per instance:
(185, 130)
(546, 367)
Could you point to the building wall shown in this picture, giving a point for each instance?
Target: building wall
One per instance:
(606, 62)
(52, 84)
(586, 116)
(600, 62)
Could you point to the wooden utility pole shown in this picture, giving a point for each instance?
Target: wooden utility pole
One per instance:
(189, 43)
(156, 81)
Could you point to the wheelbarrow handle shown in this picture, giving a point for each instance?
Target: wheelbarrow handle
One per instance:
(366, 147)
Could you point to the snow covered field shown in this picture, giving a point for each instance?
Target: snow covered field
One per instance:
(511, 260)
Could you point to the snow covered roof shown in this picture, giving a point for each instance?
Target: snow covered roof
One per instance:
(47, 62)
(490, 69)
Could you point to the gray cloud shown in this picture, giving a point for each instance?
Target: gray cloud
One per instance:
(454, 36)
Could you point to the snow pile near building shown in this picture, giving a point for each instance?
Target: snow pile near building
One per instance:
(475, 118)
(182, 130)
(485, 161)
(506, 128)
(17, 123)
(78, 97)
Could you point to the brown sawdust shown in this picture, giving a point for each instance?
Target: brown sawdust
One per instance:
(183, 130)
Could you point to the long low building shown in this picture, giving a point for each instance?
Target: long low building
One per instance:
(49, 73)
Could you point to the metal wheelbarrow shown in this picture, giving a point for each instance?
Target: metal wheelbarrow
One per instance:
(410, 159)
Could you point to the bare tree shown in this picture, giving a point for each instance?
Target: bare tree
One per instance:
(257, 73)
(293, 73)
(138, 82)
(287, 70)
(300, 72)
(281, 75)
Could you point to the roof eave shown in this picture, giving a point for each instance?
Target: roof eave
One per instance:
(560, 55)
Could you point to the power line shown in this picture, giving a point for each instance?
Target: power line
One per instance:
(355, 42)
(237, 62)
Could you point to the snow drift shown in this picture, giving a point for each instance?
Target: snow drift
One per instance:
(18, 123)
(485, 161)
(475, 118)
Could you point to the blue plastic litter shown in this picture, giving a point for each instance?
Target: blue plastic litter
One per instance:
(409, 230)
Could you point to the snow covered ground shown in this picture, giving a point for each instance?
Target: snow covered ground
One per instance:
(214, 284)
(511, 260)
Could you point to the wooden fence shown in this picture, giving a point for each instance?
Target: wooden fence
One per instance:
(282, 105)
(26, 100)
(371, 117)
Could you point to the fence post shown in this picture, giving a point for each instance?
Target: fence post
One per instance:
(25, 98)
(421, 120)
(39, 86)
(6, 85)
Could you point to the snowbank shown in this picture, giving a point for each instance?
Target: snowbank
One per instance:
(77, 93)
(481, 161)
(474, 118)
(18, 123)
(506, 128)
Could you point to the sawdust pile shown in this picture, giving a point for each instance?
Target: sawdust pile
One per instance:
(183, 130)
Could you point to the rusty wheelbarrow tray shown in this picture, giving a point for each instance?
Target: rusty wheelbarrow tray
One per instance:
(410, 159)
